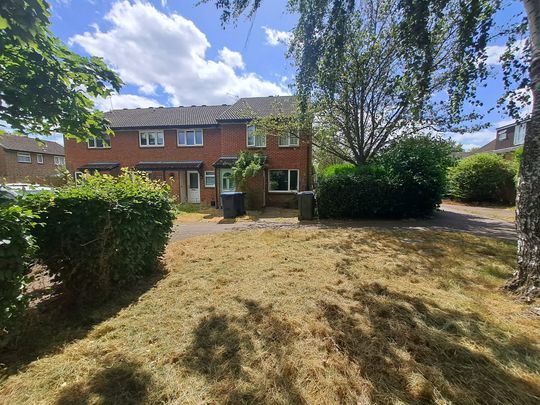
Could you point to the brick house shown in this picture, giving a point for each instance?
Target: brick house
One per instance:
(24, 159)
(509, 138)
(193, 148)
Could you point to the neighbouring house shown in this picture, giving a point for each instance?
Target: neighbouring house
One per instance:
(507, 139)
(24, 159)
(194, 149)
(510, 137)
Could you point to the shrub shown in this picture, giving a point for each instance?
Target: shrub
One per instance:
(15, 253)
(342, 168)
(484, 177)
(105, 232)
(417, 170)
(408, 179)
(359, 194)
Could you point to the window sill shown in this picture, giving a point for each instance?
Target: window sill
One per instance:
(190, 146)
(151, 146)
(283, 192)
(288, 146)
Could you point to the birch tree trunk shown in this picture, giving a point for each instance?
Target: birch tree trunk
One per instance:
(526, 280)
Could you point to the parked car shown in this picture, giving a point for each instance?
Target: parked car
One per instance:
(25, 188)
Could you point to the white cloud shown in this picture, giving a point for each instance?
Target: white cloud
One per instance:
(275, 37)
(117, 101)
(231, 58)
(476, 139)
(494, 52)
(153, 50)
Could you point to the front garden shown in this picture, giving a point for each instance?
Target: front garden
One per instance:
(293, 317)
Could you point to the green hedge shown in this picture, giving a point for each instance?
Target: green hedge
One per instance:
(105, 232)
(408, 179)
(484, 177)
(15, 252)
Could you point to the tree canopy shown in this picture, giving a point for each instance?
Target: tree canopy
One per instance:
(46, 88)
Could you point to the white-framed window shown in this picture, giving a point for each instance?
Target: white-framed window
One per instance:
(190, 137)
(209, 179)
(255, 140)
(151, 139)
(501, 134)
(519, 134)
(59, 160)
(39, 158)
(283, 180)
(99, 143)
(227, 180)
(288, 140)
(23, 157)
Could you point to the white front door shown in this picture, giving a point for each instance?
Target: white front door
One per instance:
(194, 191)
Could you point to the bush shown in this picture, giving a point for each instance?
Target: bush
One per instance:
(15, 252)
(408, 179)
(484, 177)
(105, 232)
(417, 170)
(342, 168)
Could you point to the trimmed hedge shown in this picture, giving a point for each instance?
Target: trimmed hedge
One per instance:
(103, 233)
(15, 251)
(408, 179)
(484, 177)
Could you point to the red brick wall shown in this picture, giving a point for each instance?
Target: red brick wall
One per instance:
(13, 171)
(228, 140)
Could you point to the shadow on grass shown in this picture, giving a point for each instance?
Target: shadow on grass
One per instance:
(122, 383)
(220, 351)
(49, 325)
(415, 351)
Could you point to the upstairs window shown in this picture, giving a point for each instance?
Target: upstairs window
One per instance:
(288, 140)
(59, 160)
(255, 140)
(39, 158)
(151, 139)
(23, 157)
(99, 143)
(501, 134)
(283, 180)
(190, 137)
(519, 134)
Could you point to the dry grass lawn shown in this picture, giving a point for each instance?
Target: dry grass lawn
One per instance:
(296, 317)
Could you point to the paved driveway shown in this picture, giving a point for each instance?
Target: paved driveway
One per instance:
(448, 218)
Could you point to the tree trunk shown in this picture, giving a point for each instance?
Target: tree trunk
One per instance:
(526, 280)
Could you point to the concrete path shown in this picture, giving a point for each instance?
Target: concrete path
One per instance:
(448, 218)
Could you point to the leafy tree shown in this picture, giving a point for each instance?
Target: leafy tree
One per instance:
(322, 30)
(247, 166)
(44, 87)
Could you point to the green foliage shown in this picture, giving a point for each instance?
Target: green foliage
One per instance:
(407, 180)
(341, 168)
(45, 87)
(417, 170)
(105, 232)
(247, 165)
(15, 252)
(484, 177)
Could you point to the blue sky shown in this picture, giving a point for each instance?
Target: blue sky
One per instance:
(172, 52)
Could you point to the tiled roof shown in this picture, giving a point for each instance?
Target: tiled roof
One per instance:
(160, 117)
(99, 166)
(165, 116)
(26, 144)
(252, 107)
